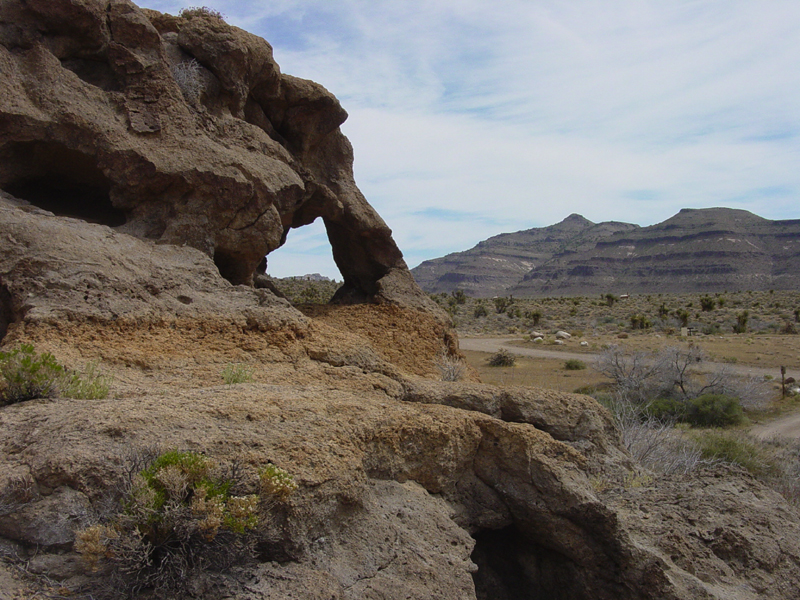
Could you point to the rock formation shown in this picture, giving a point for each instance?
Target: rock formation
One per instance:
(408, 487)
(705, 250)
(182, 130)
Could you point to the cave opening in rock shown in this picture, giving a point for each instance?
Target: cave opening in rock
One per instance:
(55, 178)
(513, 567)
(232, 267)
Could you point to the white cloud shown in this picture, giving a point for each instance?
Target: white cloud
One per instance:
(472, 118)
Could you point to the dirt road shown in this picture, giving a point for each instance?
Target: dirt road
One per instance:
(787, 426)
(492, 345)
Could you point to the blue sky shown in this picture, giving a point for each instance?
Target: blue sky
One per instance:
(472, 118)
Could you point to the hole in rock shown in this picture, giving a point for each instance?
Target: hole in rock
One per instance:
(65, 182)
(303, 268)
(231, 267)
(512, 567)
(94, 72)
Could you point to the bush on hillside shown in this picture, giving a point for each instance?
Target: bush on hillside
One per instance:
(26, 375)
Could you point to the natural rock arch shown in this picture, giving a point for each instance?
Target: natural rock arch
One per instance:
(95, 124)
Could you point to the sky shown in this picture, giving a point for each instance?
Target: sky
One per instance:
(472, 118)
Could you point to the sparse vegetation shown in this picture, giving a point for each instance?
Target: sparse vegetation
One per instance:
(299, 290)
(502, 358)
(237, 373)
(187, 76)
(451, 368)
(27, 374)
(180, 514)
(201, 11)
(574, 364)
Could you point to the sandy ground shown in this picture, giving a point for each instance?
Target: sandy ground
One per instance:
(494, 344)
(784, 426)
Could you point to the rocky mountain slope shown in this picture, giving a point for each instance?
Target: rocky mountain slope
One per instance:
(704, 250)
(407, 487)
(499, 263)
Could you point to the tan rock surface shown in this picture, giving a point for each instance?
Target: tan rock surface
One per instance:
(405, 484)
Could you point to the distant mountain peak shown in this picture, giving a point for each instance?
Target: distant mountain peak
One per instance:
(706, 249)
(576, 218)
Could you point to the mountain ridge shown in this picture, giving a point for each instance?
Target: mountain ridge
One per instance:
(707, 249)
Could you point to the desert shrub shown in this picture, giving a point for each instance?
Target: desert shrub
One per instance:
(26, 374)
(201, 11)
(785, 476)
(176, 517)
(451, 368)
(237, 373)
(741, 322)
(574, 364)
(640, 322)
(707, 303)
(459, 296)
(683, 316)
(480, 310)
(733, 448)
(654, 443)
(789, 328)
(502, 358)
(88, 384)
(666, 409)
(714, 410)
(610, 299)
(534, 315)
(187, 76)
(276, 483)
(18, 492)
(501, 303)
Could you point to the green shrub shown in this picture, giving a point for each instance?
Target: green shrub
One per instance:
(25, 375)
(714, 410)
(502, 358)
(741, 322)
(501, 303)
(87, 385)
(178, 516)
(733, 448)
(707, 303)
(238, 373)
(28, 375)
(574, 364)
(640, 322)
(480, 311)
(667, 409)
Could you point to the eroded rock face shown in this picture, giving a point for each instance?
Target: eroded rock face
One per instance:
(94, 124)
(408, 487)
